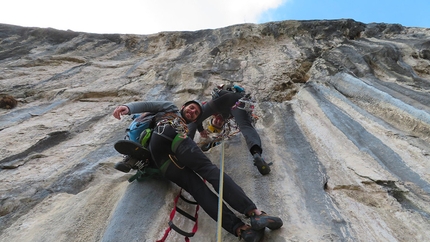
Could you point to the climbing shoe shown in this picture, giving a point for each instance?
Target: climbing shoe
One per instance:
(126, 164)
(251, 235)
(262, 166)
(263, 220)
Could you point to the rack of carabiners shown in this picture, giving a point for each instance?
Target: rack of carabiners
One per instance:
(175, 121)
(247, 104)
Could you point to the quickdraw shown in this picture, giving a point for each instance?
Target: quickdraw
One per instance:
(141, 164)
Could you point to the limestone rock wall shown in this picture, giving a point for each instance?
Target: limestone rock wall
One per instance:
(344, 113)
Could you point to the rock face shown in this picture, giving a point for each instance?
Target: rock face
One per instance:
(344, 113)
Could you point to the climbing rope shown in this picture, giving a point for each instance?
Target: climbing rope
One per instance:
(220, 192)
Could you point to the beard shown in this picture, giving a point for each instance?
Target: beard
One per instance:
(186, 117)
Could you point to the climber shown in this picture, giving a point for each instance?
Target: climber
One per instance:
(216, 124)
(226, 101)
(187, 166)
(215, 131)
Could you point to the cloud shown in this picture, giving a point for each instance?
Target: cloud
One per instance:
(134, 16)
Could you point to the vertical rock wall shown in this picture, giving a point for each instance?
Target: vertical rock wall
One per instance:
(344, 117)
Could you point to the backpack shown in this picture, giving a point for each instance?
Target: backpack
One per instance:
(140, 129)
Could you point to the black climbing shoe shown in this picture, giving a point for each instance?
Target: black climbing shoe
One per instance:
(261, 221)
(262, 166)
(251, 235)
(125, 165)
(121, 166)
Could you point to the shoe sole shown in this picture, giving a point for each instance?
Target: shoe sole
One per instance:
(123, 168)
(132, 149)
(253, 236)
(272, 223)
(262, 166)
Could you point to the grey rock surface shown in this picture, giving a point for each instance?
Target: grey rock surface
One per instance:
(344, 115)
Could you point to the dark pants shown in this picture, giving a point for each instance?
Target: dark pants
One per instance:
(192, 160)
(243, 120)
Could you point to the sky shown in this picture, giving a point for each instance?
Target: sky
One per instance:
(153, 16)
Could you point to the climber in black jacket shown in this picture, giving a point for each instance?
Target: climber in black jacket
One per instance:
(224, 102)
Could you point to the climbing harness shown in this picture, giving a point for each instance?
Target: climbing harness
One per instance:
(172, 215)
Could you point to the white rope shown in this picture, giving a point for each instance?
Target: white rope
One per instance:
(220, 193)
